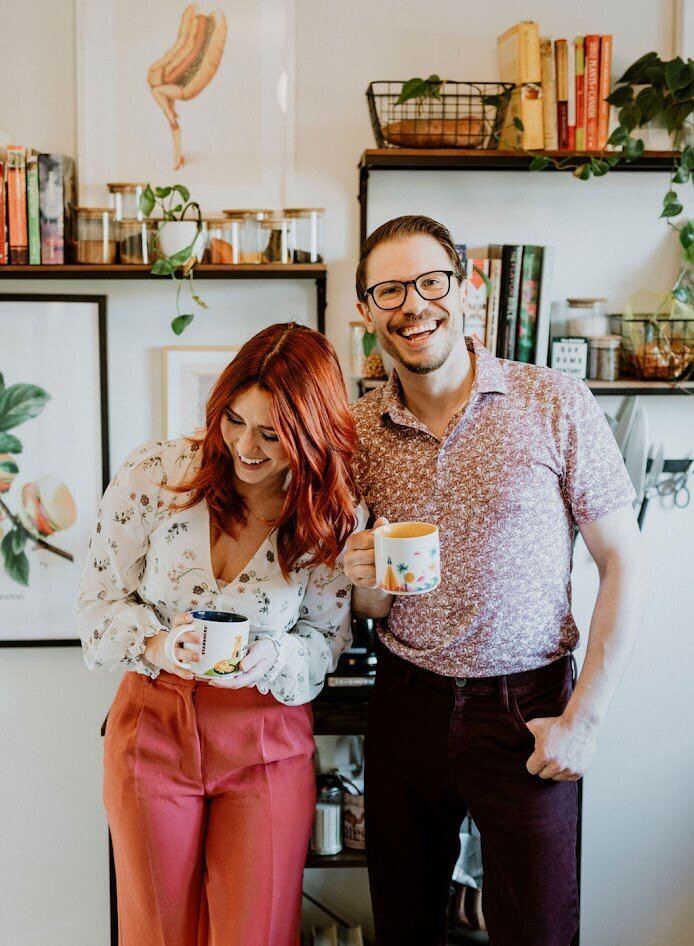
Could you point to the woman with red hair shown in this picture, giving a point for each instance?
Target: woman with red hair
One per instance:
(209, 787)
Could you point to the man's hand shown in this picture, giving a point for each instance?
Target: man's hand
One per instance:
(258, 661)
(360, 561)
(563, 748)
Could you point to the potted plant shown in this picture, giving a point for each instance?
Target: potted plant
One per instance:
(179, 242)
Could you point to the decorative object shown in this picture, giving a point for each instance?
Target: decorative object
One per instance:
(179, 243)
(231, 109)
(189, 375)
(570, 355)
(437, 113)
(53, 458)
(657, 347)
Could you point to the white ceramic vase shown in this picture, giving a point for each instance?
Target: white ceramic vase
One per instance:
(175, 235)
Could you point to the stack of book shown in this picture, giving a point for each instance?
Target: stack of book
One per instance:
(37, 202)
(560, 92)
(508, 308)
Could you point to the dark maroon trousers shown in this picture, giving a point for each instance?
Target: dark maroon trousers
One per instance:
(438, 747)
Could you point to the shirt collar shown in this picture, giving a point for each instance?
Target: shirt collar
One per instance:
(489, 379)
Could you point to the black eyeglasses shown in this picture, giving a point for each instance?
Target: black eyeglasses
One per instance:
(430, 286)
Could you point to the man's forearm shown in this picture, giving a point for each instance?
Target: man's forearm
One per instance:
(371, 602)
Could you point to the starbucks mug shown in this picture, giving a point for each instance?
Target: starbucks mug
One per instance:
(224, 643)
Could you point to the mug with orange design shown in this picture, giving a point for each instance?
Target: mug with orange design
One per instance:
(407, 557)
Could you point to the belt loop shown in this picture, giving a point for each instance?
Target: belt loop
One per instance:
(503, 690)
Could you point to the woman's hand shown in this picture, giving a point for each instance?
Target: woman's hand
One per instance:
(155, 654)
(261, 657)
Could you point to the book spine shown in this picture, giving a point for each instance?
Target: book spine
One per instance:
(3, 215)
(579, 50)
(69, 207)
(492, 334)
(475, 307)
(34, 232)
(528, 298)
(544, 308)
(591, 83)
(508, 305)
(604, 85)
(518, 52)
(51, 209)
(562, 80)
(17, 205)
(571, 98)
(549, 95)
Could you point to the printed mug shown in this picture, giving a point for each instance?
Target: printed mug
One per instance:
(224, 643)
(407, 557)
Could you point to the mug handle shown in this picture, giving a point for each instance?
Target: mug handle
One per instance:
(170, 643)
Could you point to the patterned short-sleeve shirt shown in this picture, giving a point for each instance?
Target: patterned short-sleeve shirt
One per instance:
(528, 457)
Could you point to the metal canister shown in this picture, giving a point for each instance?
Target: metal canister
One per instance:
(326, 837)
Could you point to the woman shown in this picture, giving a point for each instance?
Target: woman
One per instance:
(209, 787)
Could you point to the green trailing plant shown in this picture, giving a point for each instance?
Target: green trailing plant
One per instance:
(420, 90)
(174, 203)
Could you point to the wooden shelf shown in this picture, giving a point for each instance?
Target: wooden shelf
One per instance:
(202, 271)
(333, 717)
(634, 386)
(454, 159)
(346, 858)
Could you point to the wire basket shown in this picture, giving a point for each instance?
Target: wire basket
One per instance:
(657, 348)
(466, 115)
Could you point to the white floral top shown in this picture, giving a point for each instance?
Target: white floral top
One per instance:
(147, 563)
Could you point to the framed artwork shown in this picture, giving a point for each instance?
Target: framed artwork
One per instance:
(53, 458)
(171, 92)
(189, 375)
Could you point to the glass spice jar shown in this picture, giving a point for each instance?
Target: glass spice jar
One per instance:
(587, 317)
(224, 240)
(307, 233)
(603, 357)
(251, 235)
(95, 235)
(277, 240)
(125, 200)
(136, 241)
(326, 836)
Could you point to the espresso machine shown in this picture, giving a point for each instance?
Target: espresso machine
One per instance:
(355, 673)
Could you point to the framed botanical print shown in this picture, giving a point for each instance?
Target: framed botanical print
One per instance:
(189, 375)
(53, 458)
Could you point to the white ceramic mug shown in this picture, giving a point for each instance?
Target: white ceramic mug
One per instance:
(224, 643)
(407, 557)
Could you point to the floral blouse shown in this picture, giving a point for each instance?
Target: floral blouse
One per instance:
(147, 563)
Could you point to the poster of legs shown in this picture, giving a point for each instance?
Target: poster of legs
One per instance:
(53, 458)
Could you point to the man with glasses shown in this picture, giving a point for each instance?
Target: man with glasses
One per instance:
(474, 707)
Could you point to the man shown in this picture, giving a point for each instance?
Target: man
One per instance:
(474, 707)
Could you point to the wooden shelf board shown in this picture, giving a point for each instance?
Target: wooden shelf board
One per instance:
(452, 159)
(635, 386)
(202, 271)
(346, 858)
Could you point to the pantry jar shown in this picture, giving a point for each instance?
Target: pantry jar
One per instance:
(587, 317)
(125, 200)
(326, 836)
(252, 238)
(361, 364)
(136, 241)
(278, 245)
(307, 226)
(224, 240)
(603, 357)
(95, 235)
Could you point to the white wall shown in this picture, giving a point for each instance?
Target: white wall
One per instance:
(637, 850)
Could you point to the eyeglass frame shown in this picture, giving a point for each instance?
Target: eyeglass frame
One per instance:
(411, 282)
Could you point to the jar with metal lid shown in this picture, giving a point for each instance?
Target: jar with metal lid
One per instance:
(224, 240)
(136, 241)
(95, 235)
(365, 353)
(308, 226)
(125, 200)
(603, 357)
(278, 246)
(252, 238)
(587, 317)
(326, 836)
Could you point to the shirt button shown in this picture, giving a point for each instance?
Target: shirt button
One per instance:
(460, 681)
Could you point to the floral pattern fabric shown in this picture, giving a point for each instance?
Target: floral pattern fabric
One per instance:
(529, 456)
(148, 562)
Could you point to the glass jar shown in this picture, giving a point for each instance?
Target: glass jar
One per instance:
(308, 228)
(587, 317)
(603, 357)
(251, 234)
(96, 235)
(361, 364)
(136, 241)
(125, 200)
(326, 836)
(224, 240)
(278, 245)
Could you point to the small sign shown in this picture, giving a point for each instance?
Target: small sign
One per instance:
(570, 355)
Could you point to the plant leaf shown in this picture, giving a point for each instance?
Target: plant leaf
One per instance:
(682, 294)
(621, 96)
(630, 116)
(636, 71)
(672, 209)
(162, 192)
(687, 158)
(687, 234)
(633, 149)
(178, 259)
(484, 277)
(368, 342)
(198, 301)
(539, 163)
(689, 254)
(9, 444)
(147, 201)
(20, 403)
(183, 191)
(619, 136)
(19, 540)
(651, 102)
(163, 267)
(582, 172)
(2, 383)
(181, 322)
(681, 175)
(16, 565)
(9, 466)
(676, 74)
(599, 167)
(517, 123)
(411, 89)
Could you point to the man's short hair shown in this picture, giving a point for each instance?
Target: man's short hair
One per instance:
(398, 229)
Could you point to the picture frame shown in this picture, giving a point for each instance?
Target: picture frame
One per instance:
(569, 354)
(231, 122)
(54, 459)
(188, 375)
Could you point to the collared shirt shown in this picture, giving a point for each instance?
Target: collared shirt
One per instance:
(148, 562)
(530, 455)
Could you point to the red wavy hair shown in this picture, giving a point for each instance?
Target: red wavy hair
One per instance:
(298, 368)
